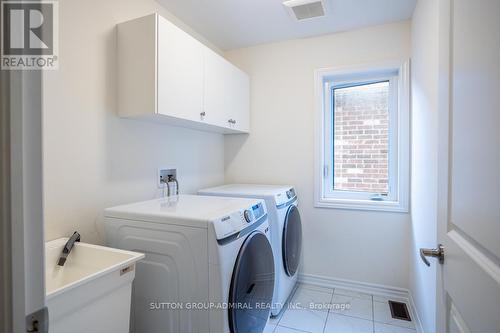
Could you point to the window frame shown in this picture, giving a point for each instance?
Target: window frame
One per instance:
(397, 73)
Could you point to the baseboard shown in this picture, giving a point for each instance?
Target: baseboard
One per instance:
(370, 288)
(418, 322)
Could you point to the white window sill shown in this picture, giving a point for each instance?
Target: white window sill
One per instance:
(370, 205)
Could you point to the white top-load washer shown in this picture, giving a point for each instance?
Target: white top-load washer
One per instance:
(286, 231)
(208, 268)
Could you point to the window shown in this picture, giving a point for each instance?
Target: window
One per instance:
(363, 138)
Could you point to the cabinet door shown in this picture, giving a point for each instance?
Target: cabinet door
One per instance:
(180, 73)
(241, 99)
(226, 100)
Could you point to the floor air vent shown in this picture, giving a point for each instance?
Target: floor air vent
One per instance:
(399, 311)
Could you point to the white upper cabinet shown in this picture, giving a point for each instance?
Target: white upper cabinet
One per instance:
(166, 75)
(180, 72)
(226, 92)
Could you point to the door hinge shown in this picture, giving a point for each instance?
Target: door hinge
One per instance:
(325, 171)
(38, 321)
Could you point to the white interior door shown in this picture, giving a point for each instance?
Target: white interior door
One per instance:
(469, 211)
(23, 287)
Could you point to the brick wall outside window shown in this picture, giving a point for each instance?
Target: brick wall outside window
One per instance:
(361, 137)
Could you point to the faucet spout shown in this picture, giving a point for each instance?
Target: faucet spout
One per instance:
(68, 247)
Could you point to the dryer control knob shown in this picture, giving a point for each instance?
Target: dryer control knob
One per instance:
(247, 216)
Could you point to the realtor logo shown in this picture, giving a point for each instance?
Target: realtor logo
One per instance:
(29, 34)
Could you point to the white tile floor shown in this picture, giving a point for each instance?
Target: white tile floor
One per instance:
(337, 311)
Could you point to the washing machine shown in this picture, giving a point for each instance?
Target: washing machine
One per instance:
(286, 231)
(209, 265)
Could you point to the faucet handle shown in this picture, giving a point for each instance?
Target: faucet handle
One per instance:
(67, 248)
(77, 235)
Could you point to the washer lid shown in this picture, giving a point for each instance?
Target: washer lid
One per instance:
(188, 210)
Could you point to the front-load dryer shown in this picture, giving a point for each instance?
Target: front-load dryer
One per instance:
(286, 231)
(209, 265)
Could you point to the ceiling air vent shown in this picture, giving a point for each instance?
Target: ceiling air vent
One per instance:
(305, 9)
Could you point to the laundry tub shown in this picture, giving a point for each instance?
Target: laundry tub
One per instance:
(92, 291)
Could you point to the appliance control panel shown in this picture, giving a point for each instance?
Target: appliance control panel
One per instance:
(285, 196)
(228, 225)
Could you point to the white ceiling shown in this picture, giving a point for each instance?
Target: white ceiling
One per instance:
(233, 24)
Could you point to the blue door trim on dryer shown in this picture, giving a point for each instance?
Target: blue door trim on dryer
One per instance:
(292, 240)
(252, 282)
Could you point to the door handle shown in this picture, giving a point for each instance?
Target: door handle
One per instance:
(436, 253)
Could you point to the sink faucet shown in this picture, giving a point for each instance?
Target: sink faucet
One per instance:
(67, 248)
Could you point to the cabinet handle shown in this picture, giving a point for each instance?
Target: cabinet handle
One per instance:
(203, 114)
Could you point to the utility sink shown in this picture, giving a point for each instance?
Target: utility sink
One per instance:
(92, 291)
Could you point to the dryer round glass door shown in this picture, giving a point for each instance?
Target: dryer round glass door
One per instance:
(292, 240)
(252, 284)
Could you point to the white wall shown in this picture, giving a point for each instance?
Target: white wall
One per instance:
(357, 245)
(92, 158)
(424, 157)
